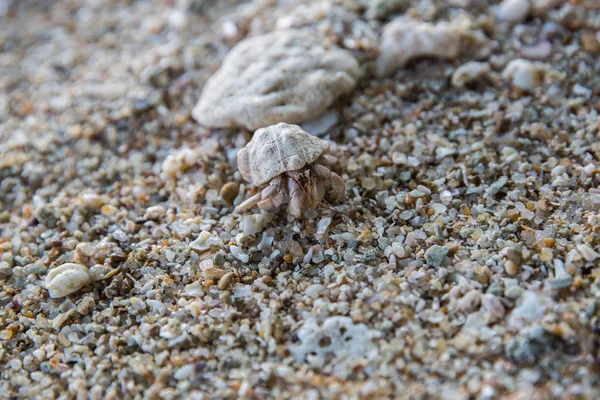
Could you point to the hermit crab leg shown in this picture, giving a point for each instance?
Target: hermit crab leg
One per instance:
(336, 189)
(248, 203)
(271, 195)
(321, 171)
(296, 205)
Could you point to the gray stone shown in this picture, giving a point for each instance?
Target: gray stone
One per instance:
(435, 255)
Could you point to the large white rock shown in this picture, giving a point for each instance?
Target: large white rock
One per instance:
(285, 76)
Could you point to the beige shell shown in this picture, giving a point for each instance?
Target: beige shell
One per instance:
(287, 75)
(277, 149)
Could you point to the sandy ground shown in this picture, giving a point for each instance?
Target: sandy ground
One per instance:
(463, 262)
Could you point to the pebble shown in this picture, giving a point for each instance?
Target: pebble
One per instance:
(229, 192)
(587, 252)
(435, 255)
(119, 235)
(562, 279)
(522, 74)
(530, 309)
(511, 268)
(239, 253)
(204, 241)
(539, 50)
(66, 279)
(252, 224)
(213, 273)
(404, 39)
(313, 291)
(226, 280)
(155, 212)
(93, 200)
(86, 305)
(321, 125)
(513, 10)
(590, 43)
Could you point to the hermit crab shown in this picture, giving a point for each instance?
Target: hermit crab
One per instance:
(291, 163)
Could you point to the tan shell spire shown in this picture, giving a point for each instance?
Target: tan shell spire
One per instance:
(277, 149)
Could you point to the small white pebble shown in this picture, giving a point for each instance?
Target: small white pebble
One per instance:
(93, 200)
(322, 124)
(589, 169)
(323, 225)
(206, 264)
(265, 242)
(522, 74)
(204, 241)
(178, 19)
(15, 364)
(587, 252)
(175, 164)
(558, 170)
(438, 208)
(66, 279)
(513, 10)
(119, 235)
(252, 224)
(313, 291)
(404, 39)
(155, 212)
(328, 270)
(398, 250)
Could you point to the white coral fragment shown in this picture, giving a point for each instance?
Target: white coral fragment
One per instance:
(338, 336)
(287, 75)
(470, 72)
(405, 39)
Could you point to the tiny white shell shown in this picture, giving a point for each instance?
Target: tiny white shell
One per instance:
(277, 149)
(66, 279)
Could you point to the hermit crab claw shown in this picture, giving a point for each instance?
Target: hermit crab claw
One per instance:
(272, 196)
(336, 189)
